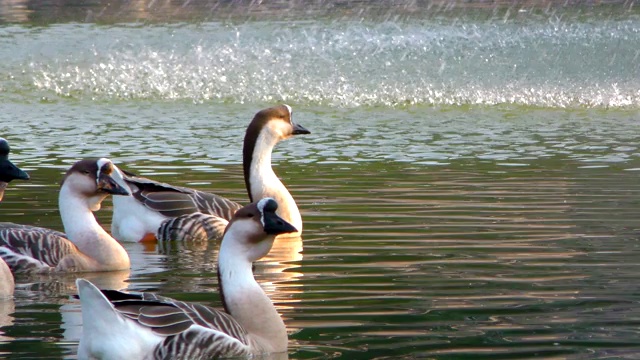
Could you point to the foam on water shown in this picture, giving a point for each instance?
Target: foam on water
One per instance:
(339, 64)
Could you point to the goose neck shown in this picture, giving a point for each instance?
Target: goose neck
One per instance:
(77, 218)
(82, 229)
(245, 300)
(263, 182)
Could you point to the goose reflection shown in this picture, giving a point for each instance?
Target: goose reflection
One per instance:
(7, 308)
(279, 276)
(275, 271)
(279, 267)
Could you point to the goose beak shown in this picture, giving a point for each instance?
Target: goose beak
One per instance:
(299, 130)
(109, 185)
(10, 171)
(275, 225)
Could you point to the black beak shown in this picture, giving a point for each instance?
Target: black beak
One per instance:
(9, 172)
(275, 225)
(107, 184)
(299, 130)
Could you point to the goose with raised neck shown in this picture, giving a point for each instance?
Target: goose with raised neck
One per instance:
(165, 212)
(86, 246)
(118, 325)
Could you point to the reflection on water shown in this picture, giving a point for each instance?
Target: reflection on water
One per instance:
(470, 188)
(7, 308)
(414, 261)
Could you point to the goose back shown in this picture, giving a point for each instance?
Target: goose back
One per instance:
(174, 201)
(195, 227)
(33, 249)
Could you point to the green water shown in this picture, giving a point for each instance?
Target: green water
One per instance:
(469, 190)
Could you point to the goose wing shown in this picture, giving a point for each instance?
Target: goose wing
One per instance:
(191, 331)
(31, 248)
(173, 201)
(195, 227)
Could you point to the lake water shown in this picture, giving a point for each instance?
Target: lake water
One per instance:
(469, 190)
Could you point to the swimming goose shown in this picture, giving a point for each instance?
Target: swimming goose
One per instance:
(8, 171)
(139, 217)
(164, 212)
(86, 246)
(118, 325)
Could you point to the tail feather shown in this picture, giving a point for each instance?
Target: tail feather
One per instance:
(95, 305)
(107, 334)
(98, 317)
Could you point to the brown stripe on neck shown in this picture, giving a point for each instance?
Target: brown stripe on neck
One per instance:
(224, 301)
(260, 120)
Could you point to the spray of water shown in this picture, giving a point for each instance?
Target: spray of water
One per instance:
(350, 64)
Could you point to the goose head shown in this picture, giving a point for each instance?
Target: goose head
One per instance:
(93, 180)
(268, 127)
(275, 121)
(254, 227)
(8, 171)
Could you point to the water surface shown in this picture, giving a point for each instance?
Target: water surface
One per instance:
(469, 189)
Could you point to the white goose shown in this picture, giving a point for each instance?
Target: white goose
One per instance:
(8, 172)
(86, 246)
(145, 326)
(164, 212)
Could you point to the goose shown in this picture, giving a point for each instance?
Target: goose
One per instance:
(8, 172)
(86, 246)
(159, 211)
(120, 325)
(7, 283)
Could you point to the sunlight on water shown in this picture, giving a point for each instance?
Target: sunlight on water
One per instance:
(469, 187)
(400, 257)
(532, 63)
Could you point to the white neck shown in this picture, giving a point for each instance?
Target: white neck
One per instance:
(265, 182)
(82, 229)
(246, 301)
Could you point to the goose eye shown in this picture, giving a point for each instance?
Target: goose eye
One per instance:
(85, 172)
(250, 215)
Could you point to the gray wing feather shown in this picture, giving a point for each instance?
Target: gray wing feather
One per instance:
(31, 248)
(192, 331)
(196, 343)
(173, 201)
(196, 227)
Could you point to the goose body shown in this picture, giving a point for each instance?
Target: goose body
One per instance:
(164, 212)
(145, 326)
(157, 209)
(85, 246)
(8, 172)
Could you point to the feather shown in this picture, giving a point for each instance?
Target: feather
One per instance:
(31, 248)
(173, 201)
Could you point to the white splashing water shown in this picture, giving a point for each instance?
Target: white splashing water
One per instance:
(343, 64)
